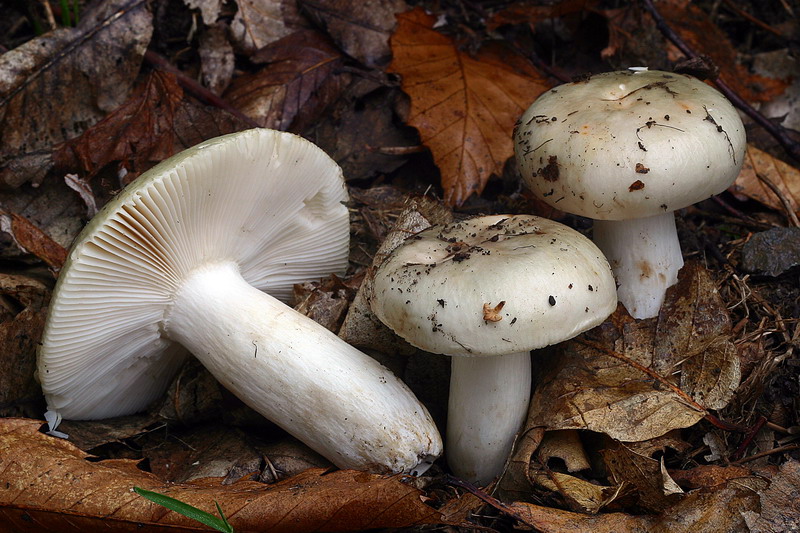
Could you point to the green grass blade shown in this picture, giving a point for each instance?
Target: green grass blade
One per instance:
(187, 510)
(65, 20)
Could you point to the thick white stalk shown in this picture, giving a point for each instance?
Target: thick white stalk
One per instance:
(334, 398)
(645, 255)
(488, 404)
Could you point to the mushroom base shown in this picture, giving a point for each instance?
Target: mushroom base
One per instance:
(488, 403)
(645, 255)
(334, 398)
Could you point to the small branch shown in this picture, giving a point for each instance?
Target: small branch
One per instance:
(744, 14)
(486, 498)
(759, 455)
(781, 134)
(748, 438)
(195, 89)
(787, 206)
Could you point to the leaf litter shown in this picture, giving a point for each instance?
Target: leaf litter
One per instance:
(623, 418)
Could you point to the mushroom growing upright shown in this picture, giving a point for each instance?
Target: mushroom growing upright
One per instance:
(178, 261)
(628, 149)
(487, 291)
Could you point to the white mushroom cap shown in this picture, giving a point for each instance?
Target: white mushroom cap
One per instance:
(629, 144)
(269, 201)
(493, 285)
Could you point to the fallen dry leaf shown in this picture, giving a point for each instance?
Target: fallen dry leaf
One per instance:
(209, 9)
(780, 502)
(52, 207)
(530, 13)
(54, 86)
(698, 31)
(301, 77)
(640, 473)
(216, 58)
(49, 485)
(464, 107)
(260, 22)
(584, 388)
(784, 176)
(22, 311)
(579, 494)
(693, 335)
(362, 133)
(155, 123)
(565, 445)
(137, 134)
(29, 238)
(701, 511)
(226, 453)
(360, 28)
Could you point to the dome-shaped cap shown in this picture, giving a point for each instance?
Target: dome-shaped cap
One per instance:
(493, 285)
(629, 144)
(269, 201)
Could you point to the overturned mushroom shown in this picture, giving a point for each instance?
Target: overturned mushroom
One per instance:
(178, 261)
(487, 291)
(628, 149)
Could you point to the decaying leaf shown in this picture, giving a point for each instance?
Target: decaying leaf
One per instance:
(22, 301)
(531, 13)
(209, 9)
(48, 484)
(361, 28)
(54, 86)
(703, 511)
(216, 58)
(362, 131)
(227, 453)
(156, 122)
(565, 445)
(579, 494)
(641, 475)
(137, 134)
(780, 502)
(260, 22)
(784, 177)
(29, 238)
(583, 387)
(698, 31)
(52, 208)
(302, 75)
(693, 334)
(464, 107)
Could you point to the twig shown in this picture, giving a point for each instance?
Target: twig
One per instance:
(486, 498)
(780, 133)
(759, 455)
(787, 206)
(744, 14)
(664, 381)
(195, 89)
(748, 438)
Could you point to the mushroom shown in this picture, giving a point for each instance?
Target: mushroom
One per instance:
(487, 291)
(178, 261)
(628, 149)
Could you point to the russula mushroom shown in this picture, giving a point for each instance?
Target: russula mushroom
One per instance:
(178, 261)
(628, 149)
(487, 291)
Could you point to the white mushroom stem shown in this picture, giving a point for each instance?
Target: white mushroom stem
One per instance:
(645, 255)
(296, 373)
(488, 404)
